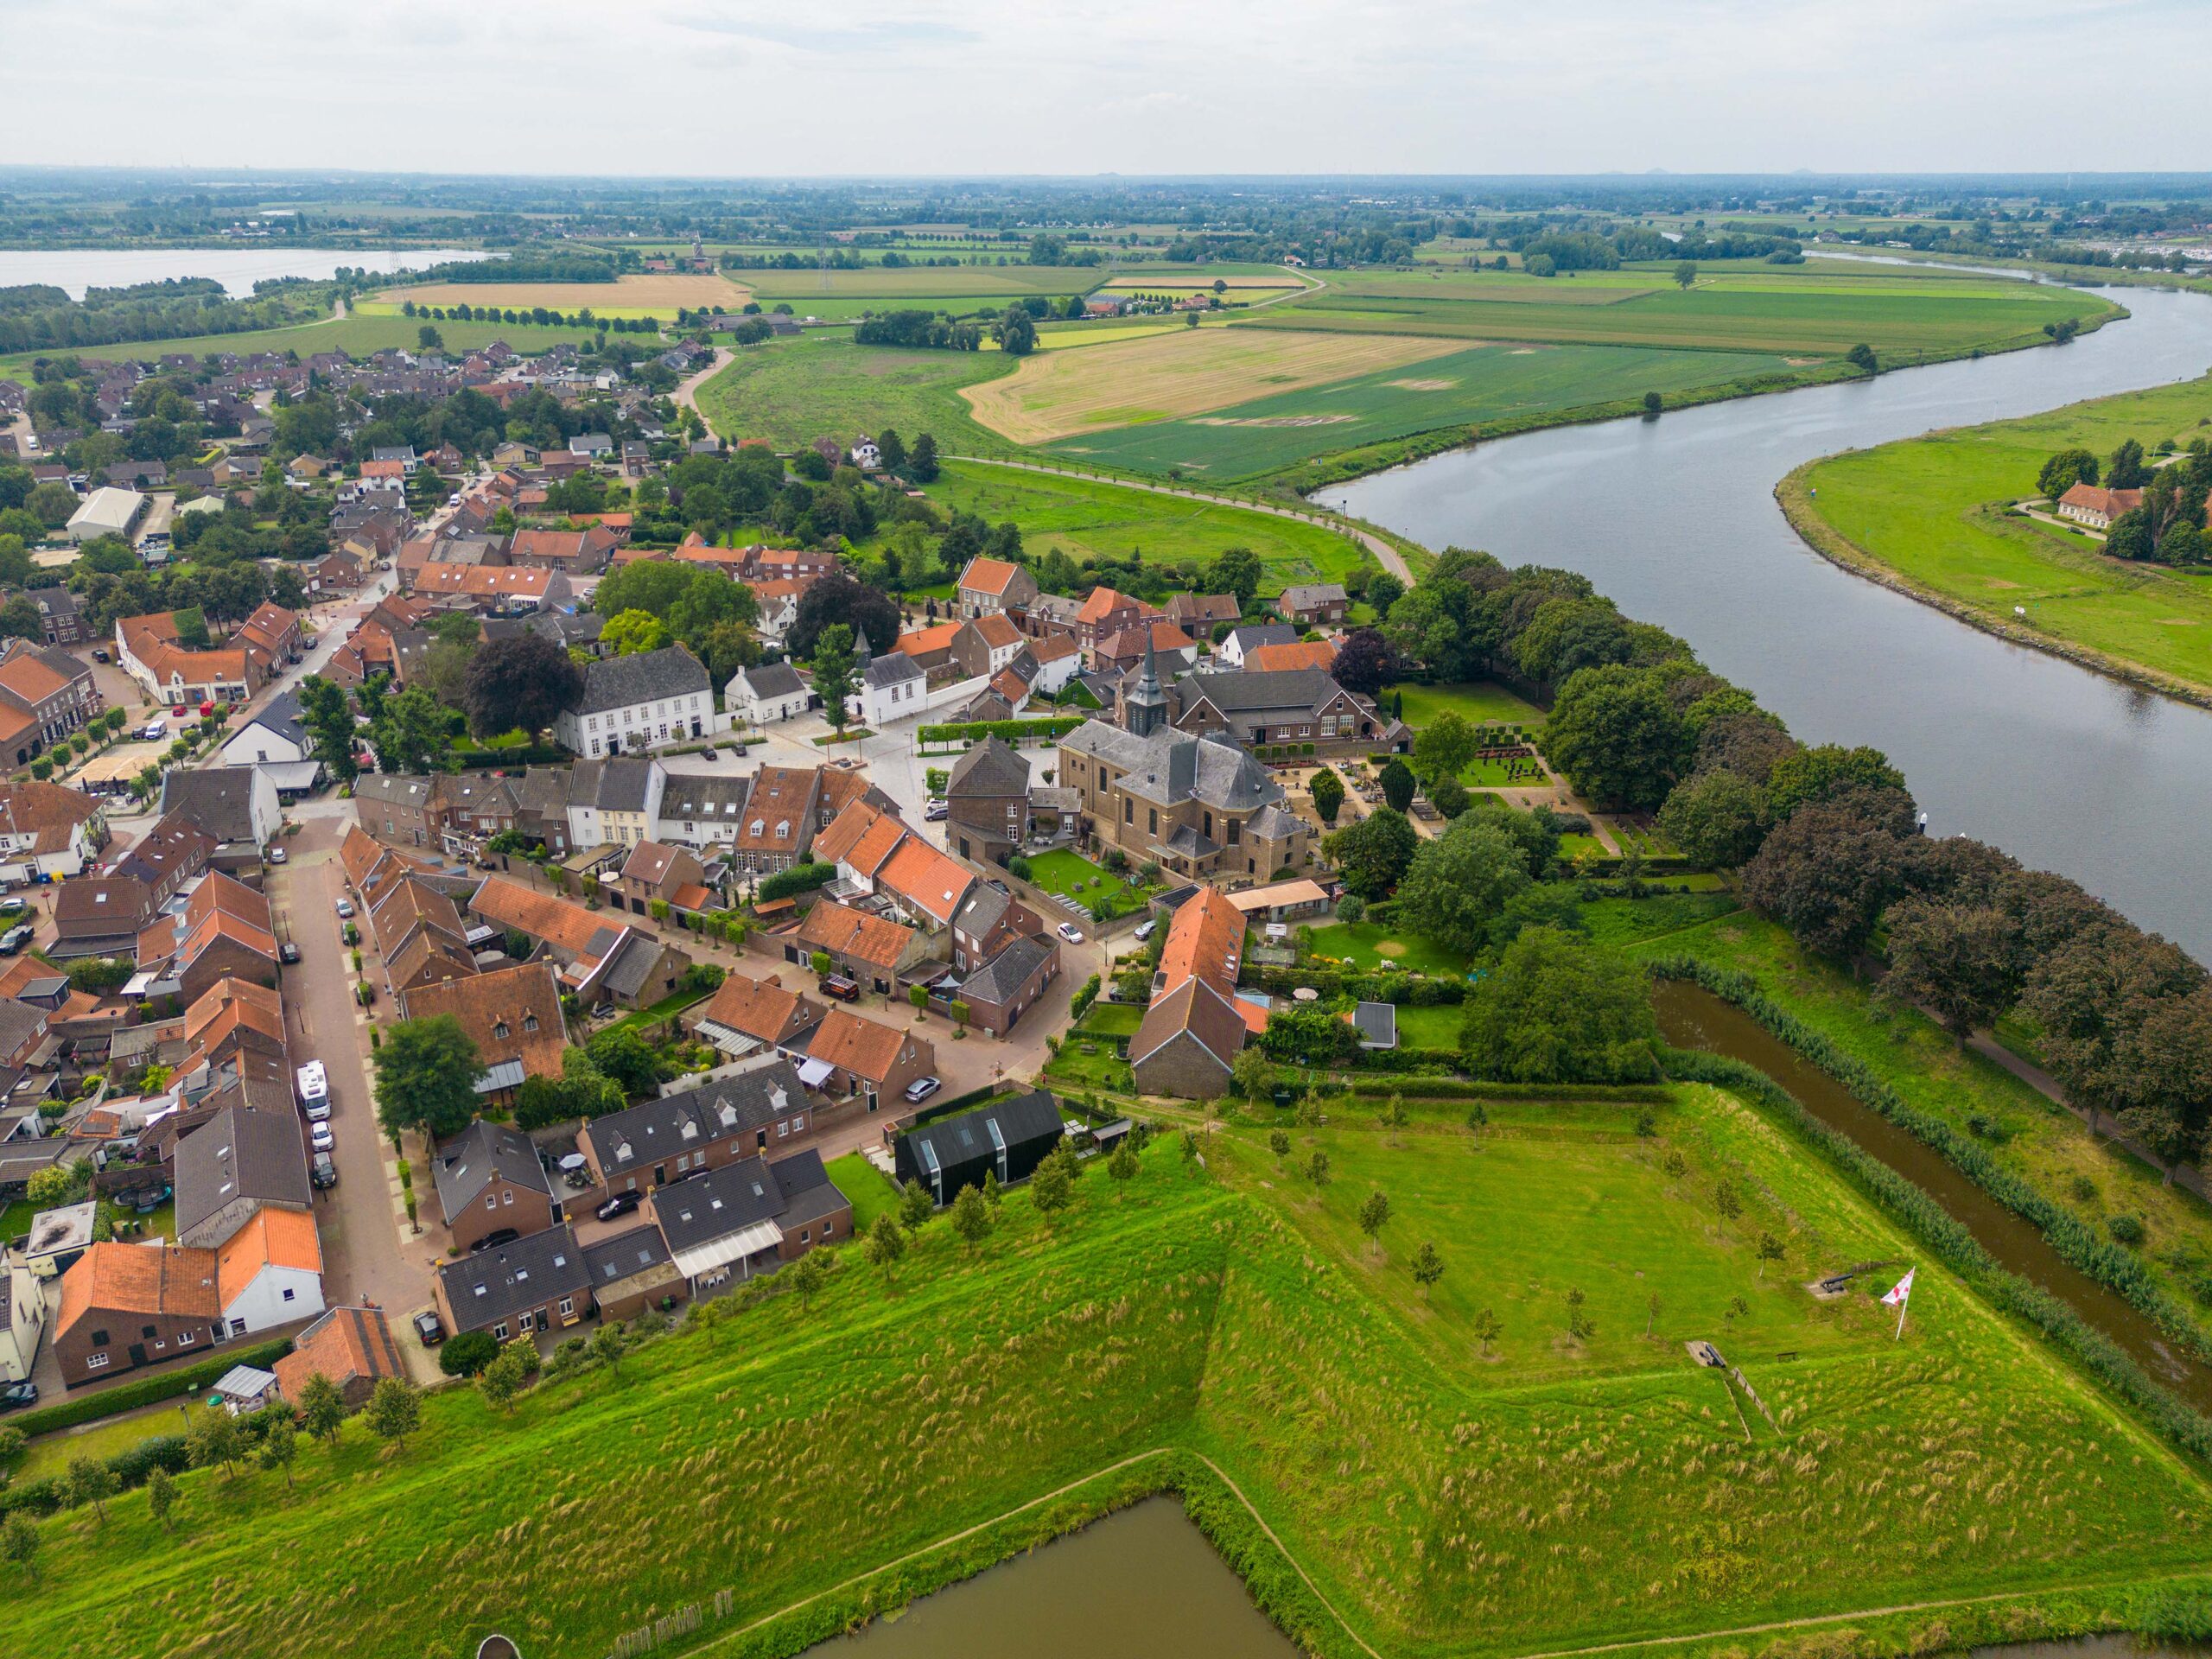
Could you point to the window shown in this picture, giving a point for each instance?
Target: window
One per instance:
(95, 1362)
(499, 1029)
(99, 1338)
(826, 1229)
(500, 1332)
(798, 1124)
(806, 1236)
(288, 1293)
(146, 1332)
(567, 1305)
(527, 1323)
(1128, 809)
(507, 1196)
(529, 1023)
(159, 1343)
(1151, 813)
(185, 1339)
(783, 1128)
(491, 1200)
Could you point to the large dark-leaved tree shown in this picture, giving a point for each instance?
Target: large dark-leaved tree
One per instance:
(1372, 855)
(1365, 663)
(1828, 871)
(426, 1074)
(1963, 960)
(836, 599)
(1616, 734)
(1558, 1009)
(521, 682)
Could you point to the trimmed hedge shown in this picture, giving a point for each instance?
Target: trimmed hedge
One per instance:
(1415, 990)
(962, 1103)
(800, 878)
(526, 754)
(147, 1390)
(2107, 1263)
(1471, 1089)
(1009, 731)
(1953, 1244)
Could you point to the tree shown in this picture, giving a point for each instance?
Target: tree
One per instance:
(1485, 1326)
(1279, 1144)
(810, 1273)
(1445, 747)
(212, 1441)
(1428, 1267)
(922, 467)
(329, 720)
(1560, 1010)
(1459, 884)
(1823, 773)
(1052, 1189)
(1717, 818)
(322, 1408)
(410, 732)
(1862, 358)
(1365, 663)
(468, 1353)
(1015, 332)
(886, 1244)
(394, 1409)
(1769, 1248)
(2167, 1056)
(1399, 785)
(1579, 1325)
(90, 1481)
(1650, 1312)
(502, 1379)
(161, 1496)
(521, 682)
(971, 1217)
(1374, 1216)
(2126, 470)
(1966, 962)
(623, 1056)
(628, 634)
(280, 1440)
(1686, 273)
(916, 1205)
(426, 1073)
(833, 665)
(1317, 1169)
(1123, 1165)
(1617, 736)
(428, 339)
(835, 599)
(1372, 855)
(1252, 1073)
(2129, 536)
(1328, 795)
(1237, 571)
(1829, 871)
(2065, 470)
(891, 448)
(608, 1343)
(20, 1538)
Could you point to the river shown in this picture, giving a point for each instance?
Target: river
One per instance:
(1674, 519)
(74, 269)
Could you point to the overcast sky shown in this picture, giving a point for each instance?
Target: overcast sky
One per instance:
(732, 87)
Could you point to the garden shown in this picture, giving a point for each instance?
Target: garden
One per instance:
(1069, 874)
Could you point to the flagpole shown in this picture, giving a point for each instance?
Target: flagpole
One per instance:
(1900, 1335)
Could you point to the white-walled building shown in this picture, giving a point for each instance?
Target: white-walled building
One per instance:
(270, 1271)
(650, 700)
(771, 692)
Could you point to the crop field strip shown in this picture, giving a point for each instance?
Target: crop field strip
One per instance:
(1060, 395)
(1446, 1495)
(630, 295)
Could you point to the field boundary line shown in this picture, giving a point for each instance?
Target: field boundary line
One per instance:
(1219, 1473)
(1861, 1612)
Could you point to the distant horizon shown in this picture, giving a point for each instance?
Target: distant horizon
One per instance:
(1297, 88)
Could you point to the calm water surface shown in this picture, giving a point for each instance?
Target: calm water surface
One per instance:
(1142, 1581)
(1675, 519)
(236, 269)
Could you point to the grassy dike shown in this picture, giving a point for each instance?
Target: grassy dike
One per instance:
(788, 1471)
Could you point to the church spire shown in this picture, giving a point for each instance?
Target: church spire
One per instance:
(1145, 709)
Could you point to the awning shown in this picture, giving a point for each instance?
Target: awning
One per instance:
(815, 1073)
(288, 775)
(139, 985)
(502, 1074)
(730, 1246)
(245, 1382)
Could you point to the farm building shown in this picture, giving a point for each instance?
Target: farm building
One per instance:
(1009, 1140)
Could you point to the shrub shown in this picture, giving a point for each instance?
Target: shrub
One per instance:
(800, 878)
(2128, 1229)
(1084, 998)
(467, 1354)
(147, 1390)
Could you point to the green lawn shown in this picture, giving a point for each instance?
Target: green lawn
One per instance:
(1437, 1026)
(1075, 876)
(1086, 517)
(1931, 510)
(1448, 1496)
(49, 1454)
(1372, 945)
(792, 391)
(1490, 382)
(2045, 1144)
(867, 1188)
(1112, 1020)
(1480, 703)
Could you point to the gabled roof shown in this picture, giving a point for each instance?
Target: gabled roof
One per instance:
(1005, 974)
(253, 1155)
(1205, 940)
(491, 1286)
(48, 813)
(1301, 690)
(863, 1047)
(992, 768)
(781, 800)
(996, 631)
(642, 677)
(170, 846)
(650, 862)
(272, 1238)
(925, 878)
(509, 998)
(1101, 602)
(968, 1135)
(761, 1009)
(567, 925)
(481, 1153)
(989, 576)
(844, 931)
(1196, 1009)
(693, 1214)
(218, 801)
(923, 642)
(637, 1136)
(772, 680)
(1296, 654)
(112, 1278)
(344, 1345)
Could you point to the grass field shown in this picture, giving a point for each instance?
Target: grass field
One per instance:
(928, 286)
(792, 391)
(1084, 517)
(2042, 1142)
(1929, 509)
(1449, 1495)
(1061, 394)
(1463, 387)
(1371, 944)
(1482, 703)
(1073, 876)
(357, 336)
(866, 1187)
(635, 296)
(1766, 309)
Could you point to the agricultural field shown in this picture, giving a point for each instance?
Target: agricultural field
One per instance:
(928, 286)
(1087, 517)
(1450, 388)
(356, 335)
(792, 391)
(1932, 512)
(1787, 311)
(1056, 395)
(631, 296)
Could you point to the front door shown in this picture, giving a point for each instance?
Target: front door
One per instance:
(660, 1174)
(138, 1353)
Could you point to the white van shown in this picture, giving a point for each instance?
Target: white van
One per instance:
(315, 1090)
(155, 730)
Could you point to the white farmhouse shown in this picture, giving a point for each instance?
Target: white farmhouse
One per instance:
(773, 691)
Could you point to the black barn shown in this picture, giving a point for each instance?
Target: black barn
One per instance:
(1009, 1140)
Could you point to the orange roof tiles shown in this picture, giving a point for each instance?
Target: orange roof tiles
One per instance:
(274, 1238)
(761, 1008)
(483, 580)
(510, 998)
(862, 1047)
(112, 1278)
(844, 931)
(918, 873)
(345, 1343)
(1102, 603)
(1205, 940)
(998, 633)
(1296, 653)
(988, 575)
(568, 926)
(922, 641)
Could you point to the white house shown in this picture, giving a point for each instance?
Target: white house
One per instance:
(46, 829)
(698, 810)
(1059, 659)
(276, 741)
(773, 691)
(867, 456)
(891, 688)
(270, 1271)
(648, 699)
(778, 603)
(22, 1318)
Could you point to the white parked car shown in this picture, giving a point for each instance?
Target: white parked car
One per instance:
(320, 1137)
(1069, 931)
(345, 909)
(1145, 930)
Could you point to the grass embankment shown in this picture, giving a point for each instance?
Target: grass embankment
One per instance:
(1929, 516)
(792, 391)
(1086, 517)
(2021, 1131)
(1538, 1492)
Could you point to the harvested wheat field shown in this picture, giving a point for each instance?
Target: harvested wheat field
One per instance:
(626, 296)
(1064, 394)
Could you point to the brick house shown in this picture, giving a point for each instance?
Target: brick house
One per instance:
(745, 1219)
(868, 1059)
(718, 1124)
(489, 1179)
(537, 1283)
(993, 587)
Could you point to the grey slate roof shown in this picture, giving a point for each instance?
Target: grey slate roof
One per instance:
(636, 1137)
(1377, 1023)
(1300, 595)
(700, 798)
(1004, 975)
(217, 801)
(235, 1154)
(616, 785)
(1256, 691)
(621, 682)
(612, 1259)
(772, 680)
(981, 910)
(1251, 639)
(991, 768)
(496, 1284)
(634, 967)
(958, 1138)
(393, 789)
(727, 1200)
(464, 1165)
(284, 717)
(895, 670)
(1171, 766)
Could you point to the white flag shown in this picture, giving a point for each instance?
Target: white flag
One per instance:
(1902, 1290)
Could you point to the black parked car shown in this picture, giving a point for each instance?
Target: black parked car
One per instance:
(15, 1396)
(428, 1328)
(288, 954)
(323, 1171)
(492, 1240)
(621, 1205)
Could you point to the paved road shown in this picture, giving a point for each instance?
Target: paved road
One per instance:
(1387, 556)
(687, 395)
